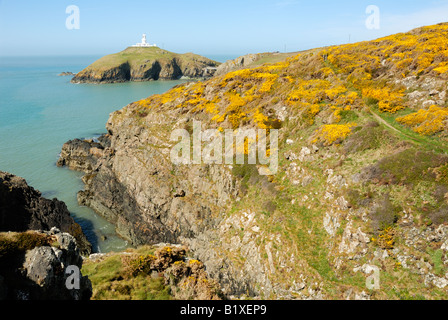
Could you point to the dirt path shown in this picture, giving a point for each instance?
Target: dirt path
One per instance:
(420, 141)
(377, 117)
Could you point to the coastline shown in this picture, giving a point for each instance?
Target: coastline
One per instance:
(42, 111)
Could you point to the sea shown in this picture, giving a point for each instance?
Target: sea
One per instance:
(40, 111)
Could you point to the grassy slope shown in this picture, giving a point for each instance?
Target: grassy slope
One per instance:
(110, 280)
(139, 56)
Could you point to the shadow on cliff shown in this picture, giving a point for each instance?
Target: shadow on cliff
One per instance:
(89, 230)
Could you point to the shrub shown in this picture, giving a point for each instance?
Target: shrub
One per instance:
(439, 216)
(22, 242)
(142, 264)
(386, 238)
(426, 122)
(329, 134)
(370, 136)
(383, 214)
(407, 167)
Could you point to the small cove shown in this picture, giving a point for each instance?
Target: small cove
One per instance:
(40, 111)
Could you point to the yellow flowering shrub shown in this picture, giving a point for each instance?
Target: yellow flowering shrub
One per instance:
(135, 265)
(442, 68)
(323, 82)
(311, 91)
(386, 239)
(329, 134)
(260, 119)
(269, 80)
(388, 100)
(245, 147)
(426, 122)
(337, 115)
(334, 92)
(159, 99)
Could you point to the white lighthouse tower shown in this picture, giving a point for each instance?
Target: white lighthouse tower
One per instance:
(144, 44)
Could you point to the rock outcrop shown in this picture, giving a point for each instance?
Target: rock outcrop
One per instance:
(145, 64)
(23, 208)
(238, 63)
(34, 265)
(157, 212)
(251, 60)
(66, 73)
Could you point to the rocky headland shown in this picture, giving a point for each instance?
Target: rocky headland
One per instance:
(361, 186)
(146, 64)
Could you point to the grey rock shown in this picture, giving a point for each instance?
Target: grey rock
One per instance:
(23, 208)
(238, 63)
(41, 273)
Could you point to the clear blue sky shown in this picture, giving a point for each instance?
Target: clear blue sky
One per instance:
(206, 27)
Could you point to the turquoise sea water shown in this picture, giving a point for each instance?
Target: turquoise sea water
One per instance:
(40, 111)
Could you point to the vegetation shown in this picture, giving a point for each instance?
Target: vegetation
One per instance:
(15, 243)
(112, 280)
(136, 57)
(148, 273)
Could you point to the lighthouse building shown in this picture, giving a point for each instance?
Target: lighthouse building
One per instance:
(144, 44)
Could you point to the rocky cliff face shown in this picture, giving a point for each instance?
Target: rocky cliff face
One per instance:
(145, 64)
(34, 266)
(23, 208)
(238, 63)
(356, 190)
(152, 201)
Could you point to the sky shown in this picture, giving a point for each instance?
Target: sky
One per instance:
(230, 27)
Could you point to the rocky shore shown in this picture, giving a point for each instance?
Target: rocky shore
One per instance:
(149, 201)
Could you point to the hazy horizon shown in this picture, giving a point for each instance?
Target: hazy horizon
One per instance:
(207, 28)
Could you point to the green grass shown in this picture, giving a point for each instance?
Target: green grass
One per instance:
(270, 58)
(432, 143)
(137, 57)
(110, 281)
(437, 261)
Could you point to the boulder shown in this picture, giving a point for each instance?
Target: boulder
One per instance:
(38, 268)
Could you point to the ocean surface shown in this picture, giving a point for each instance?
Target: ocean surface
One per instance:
(40, 111)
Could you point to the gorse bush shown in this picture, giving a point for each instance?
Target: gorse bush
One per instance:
(427, 122)
(135, 265)
(329, 134)
(386, 238)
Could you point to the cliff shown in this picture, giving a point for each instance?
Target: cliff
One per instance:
(145, 64)
(23, 208)
(361, 187)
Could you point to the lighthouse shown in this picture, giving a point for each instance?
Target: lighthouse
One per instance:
(144, 43)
